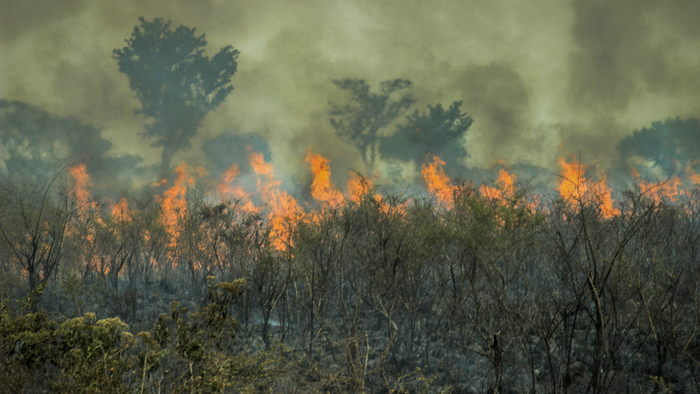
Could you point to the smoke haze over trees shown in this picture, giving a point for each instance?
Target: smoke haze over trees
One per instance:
(532, 80)
(439, 132)
(360, 121)
(175, 82)
(34, 144)
(670, 145)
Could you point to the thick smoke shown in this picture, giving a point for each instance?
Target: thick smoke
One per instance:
(498, 98)
(539, 78)
(231, 148)
(21, 18)
(670, 146)
(625, 49)
(35, 144)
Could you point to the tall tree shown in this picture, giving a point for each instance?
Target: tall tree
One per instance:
(436, 132)
(360, 121)
(175, 81)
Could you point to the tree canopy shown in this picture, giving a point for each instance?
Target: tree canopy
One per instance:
(670, 144)
(175, 81)
(436, 132)
(360, 120)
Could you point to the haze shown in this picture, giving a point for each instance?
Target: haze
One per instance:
(540, 79)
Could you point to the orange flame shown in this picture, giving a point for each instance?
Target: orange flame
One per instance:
(322, 189)
(604, 194)
(260, 166)
(88, 216)
(437, 182)
(694, 178)
(282, 206)
(358, 186)
(227, 189)
(173, 202)
(121, 210)
(671, 189)
(505, 187)
(202, 172)
(82, 195)
(575, 188)
(572, 185)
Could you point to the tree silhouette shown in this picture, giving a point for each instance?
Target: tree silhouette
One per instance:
(667, 143)
(176, 83)
(360, 121)
(434, 133)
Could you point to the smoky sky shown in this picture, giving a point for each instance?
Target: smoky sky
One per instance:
(539, 78)
(34, 145)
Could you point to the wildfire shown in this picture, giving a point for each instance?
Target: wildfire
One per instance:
(437, 182)
(505, 187)
(671, 189)
(575, 188)
(694, 178)
(121, 210)
(227, 189)
(202, 172)
(82, 195)
(173, 201)
(322, 189)
(577, 185)
(283, 207)
(88, 216)
(358, 186)
(260, 166)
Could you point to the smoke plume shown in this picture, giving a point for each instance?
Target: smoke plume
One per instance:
(539, 78)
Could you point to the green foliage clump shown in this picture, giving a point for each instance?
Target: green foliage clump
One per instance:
(184, 352)
(79, 355)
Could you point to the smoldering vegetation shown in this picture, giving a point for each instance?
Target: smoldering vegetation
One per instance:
(227, 277)
(479, 289)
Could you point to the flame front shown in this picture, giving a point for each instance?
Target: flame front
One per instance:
(671, 189)
(227, 189)
(283, 207)
(88, 218)
(505, 187)
(322, 189)
(174, 202)
(577, 186)
(694, 178)
(576, 189)
(358, 186)
(120, 210)
(437, 182)
(82, 195)
(572, 185)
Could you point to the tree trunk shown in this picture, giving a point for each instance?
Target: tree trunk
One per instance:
(600, 345)
(497, 361)
(33, 278)
(266, 331)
